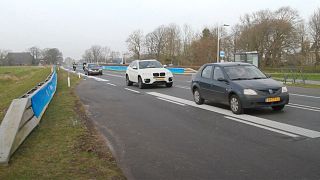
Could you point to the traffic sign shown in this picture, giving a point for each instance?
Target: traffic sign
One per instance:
(221, 53)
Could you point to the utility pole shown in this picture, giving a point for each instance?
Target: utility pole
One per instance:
(218, 43)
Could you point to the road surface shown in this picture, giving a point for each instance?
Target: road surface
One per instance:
(159, 133)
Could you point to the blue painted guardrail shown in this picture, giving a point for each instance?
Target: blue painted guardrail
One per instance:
(124, 68)
(42, 97)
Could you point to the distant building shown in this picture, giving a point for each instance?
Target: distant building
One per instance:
(19, 59)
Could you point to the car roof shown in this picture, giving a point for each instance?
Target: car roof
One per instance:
(225, 64)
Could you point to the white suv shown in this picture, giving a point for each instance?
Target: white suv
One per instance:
(146, 72)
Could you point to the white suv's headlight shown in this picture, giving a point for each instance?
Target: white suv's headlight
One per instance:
(249, 92)
(284, 89)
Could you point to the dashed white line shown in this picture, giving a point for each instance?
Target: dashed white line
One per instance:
(299, 107)
(263, 127)
(114, 75)
(171, 101)
(302, 95)
(182, 87)
(131, 90)
(311, 107)
(257, 120)
(111, 84)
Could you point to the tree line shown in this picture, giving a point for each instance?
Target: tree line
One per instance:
(280, 37)
(44, 56)
(100, 54)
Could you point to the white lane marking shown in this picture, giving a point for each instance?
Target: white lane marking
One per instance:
(111, 84)
(302, 95)
(99, 79)
(263, 127)
(311, 107)
(303, 108)
(114, 75)
(182, 87)
(132, 90)
(273, 124)
(171, 101)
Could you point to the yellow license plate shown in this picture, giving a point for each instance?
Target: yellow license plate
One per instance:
(273, 99)
(159, 79)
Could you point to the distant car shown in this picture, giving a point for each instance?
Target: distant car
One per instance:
(239, 85)
(92, 69)
(147, 72)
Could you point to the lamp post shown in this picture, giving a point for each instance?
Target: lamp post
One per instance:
(218, 48)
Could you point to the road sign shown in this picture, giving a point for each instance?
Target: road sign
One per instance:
(221, 53)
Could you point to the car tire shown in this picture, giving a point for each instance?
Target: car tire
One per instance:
(197, 97)
(278, 108)
(140, 83)
(169, 84)
(235, 104)
(128, 82)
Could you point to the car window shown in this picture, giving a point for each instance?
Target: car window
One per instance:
(206, 72)
(134, 63)
(217, 73)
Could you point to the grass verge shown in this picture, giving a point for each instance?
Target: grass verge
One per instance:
(308, 76)
(64, 145)
(15, 81)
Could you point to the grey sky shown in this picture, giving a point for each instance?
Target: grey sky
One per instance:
(75, 25)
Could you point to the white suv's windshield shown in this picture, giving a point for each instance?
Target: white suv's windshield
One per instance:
(244, 72)
(149, 64)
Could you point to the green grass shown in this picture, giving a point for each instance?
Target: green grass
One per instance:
(308, 76)
(65, 145)
(16, 81)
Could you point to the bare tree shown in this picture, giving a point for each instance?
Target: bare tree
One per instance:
(3, 56)
(188, 36)
(52, 55)
(314, 24)
(155, 42)
(135, 42)
(172, 40)
(106, 53)
(273, 34)
(96, 52)
(87, 56)
(35, 53)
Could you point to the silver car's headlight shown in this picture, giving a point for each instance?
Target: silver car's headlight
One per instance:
(284, 89)
(249, 92)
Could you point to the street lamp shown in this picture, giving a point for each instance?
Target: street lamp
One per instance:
(218, 48)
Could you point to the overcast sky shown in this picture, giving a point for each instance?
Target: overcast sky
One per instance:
(75, 25)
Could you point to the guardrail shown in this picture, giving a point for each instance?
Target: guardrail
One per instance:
(23, 115)
(173, 70)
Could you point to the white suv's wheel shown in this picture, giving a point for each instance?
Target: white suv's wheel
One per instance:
(128, 82)
(140, 83)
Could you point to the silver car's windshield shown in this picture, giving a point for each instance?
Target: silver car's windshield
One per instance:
(149, 64)
(244, 72)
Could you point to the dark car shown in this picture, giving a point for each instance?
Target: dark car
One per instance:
(93, 69)
(239, 85)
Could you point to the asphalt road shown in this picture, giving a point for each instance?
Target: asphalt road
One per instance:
(159, 133)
